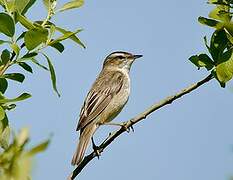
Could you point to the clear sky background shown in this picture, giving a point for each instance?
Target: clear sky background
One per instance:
(188, 140)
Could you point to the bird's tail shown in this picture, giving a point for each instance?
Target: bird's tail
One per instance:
(84, 140)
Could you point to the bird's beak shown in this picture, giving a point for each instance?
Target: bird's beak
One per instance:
(137, 56)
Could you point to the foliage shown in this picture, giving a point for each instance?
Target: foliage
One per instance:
(23, 49)
(220, 58)
(15, 162)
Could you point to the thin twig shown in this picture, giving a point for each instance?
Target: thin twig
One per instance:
(4, 68)
(135, 120)
(10, 62)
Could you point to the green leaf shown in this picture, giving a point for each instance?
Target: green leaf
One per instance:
(209, 64)
(2, 113)
(9, 6)
(39, 148)
(52, 74)
(213, 72)
(230, 37)
(19, 98)
(48, 23)
(38, 64)
(219, 2)
(195, 60)
(20, 5)
(5, 137)
(3, 85)
(226, 56)
(52, 29)
(35, 37)
(28, 6)
(25, 66)
(3, 123)
(214, 14)
(9, 106)
(29, 55)
(21, 36)
(47, 3)
(14, 76)
(70, 35)
(15, 163)
(223, 74)
(218, 43)
(224, 70)
(2, 96)
(221, 12)
(24, 21)
(202, 60)
(5, 56)
(23, 136)
(15, 48)
(7, 25)
(72, 4)
(2, 42)
(58, 46)
(65, 35)
(229, 28)
(206, 44)
(210, 22)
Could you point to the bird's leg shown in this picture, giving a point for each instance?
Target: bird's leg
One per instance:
(95, 148)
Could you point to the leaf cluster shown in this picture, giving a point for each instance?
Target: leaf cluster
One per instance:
(15, 162)
(220, 48)
(23, 45)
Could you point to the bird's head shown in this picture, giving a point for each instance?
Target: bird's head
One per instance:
(120, 60)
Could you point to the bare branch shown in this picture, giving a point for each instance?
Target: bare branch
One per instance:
(130, 123)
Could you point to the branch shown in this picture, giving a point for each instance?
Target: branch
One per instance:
(130, 123)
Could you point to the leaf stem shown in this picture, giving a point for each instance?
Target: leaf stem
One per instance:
(4, 68)
(49, 15)
(10, 62)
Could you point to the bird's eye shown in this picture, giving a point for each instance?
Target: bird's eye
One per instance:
(121, 57)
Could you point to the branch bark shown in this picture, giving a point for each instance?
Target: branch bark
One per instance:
(131, 122)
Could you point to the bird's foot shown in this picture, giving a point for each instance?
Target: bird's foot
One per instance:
(127, 127)
(95, 148)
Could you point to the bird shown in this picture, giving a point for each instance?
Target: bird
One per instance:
(105, 100)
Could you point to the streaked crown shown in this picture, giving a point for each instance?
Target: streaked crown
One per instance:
(120, 59)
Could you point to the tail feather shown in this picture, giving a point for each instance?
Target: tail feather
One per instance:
(84, 140)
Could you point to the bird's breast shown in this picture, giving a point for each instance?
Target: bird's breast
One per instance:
(118, 102)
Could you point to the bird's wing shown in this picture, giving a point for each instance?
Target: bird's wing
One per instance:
(106, 86)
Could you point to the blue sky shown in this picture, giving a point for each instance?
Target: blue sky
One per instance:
(188, 140)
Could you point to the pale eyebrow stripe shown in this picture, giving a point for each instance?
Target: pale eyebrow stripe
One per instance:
(117, 54)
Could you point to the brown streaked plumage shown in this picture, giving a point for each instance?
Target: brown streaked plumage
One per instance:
(105, 100)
